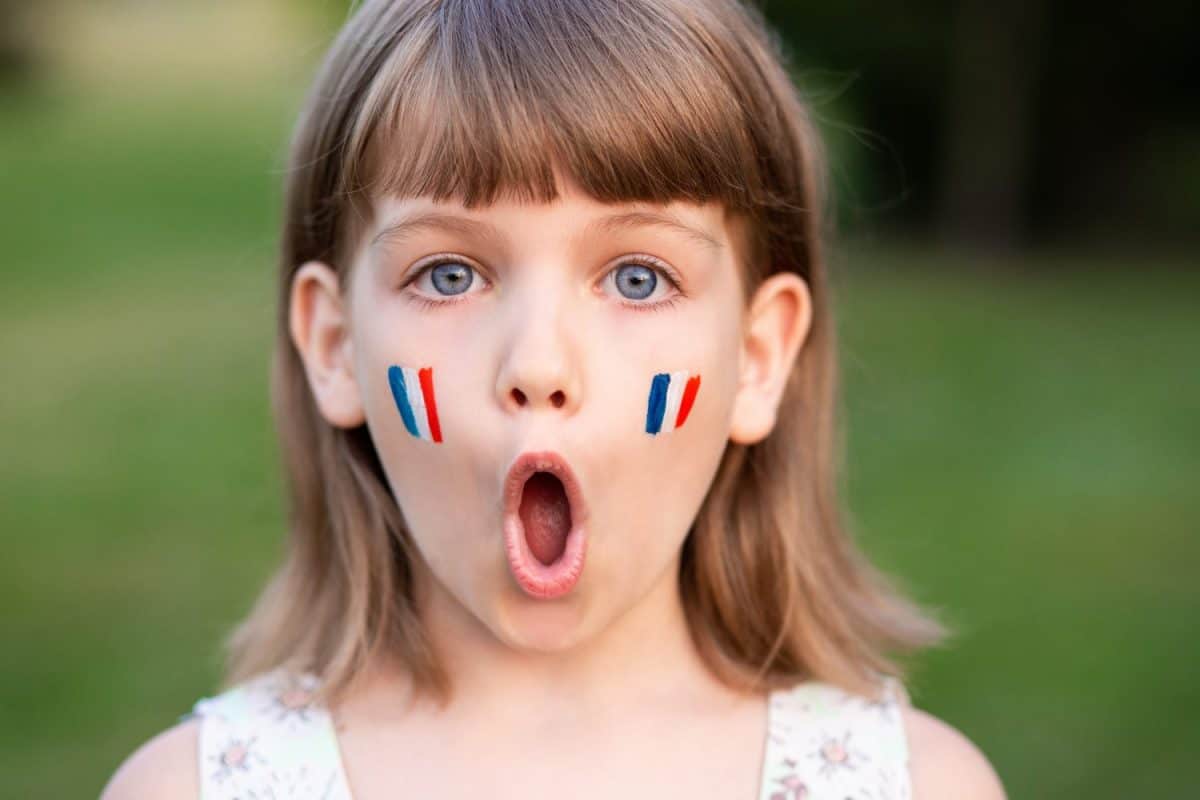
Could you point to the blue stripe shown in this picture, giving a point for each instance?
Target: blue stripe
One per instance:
(396, 379)
(658, 402)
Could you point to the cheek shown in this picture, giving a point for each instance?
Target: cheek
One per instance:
(685, 379)
(675, 425)
(413, 391)
(407, 382)
(431, 445)
(670, 400)
(423, 395)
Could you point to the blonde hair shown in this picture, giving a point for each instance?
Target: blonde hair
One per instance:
(646, 100)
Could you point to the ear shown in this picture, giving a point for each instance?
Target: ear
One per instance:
(776, 325)
(320, 331)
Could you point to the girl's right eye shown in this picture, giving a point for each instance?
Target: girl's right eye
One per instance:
(446, 278)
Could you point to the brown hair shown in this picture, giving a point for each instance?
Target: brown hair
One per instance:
(636, 100)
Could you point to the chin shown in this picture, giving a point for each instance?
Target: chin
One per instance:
(524, 623)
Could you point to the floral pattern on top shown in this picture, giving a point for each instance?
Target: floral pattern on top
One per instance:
(267, 739)
(824, 743)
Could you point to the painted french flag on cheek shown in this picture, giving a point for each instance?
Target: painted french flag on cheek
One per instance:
(413, 392)
(671, 397)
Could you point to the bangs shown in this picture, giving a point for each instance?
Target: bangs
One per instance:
(487, 98)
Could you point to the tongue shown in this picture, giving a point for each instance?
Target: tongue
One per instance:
(546, 515)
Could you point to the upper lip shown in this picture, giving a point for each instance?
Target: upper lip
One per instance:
(530, 462)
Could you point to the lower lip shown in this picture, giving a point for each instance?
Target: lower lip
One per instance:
(538, 580)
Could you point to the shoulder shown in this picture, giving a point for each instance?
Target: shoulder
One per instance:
(169, 765)
(164, 767)
(944, 763)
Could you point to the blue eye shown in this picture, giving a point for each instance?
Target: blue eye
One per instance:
(635, 281)
(451, 277)
(452, 280)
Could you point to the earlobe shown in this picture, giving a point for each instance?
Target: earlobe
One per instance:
(320, 331)
(777, 324)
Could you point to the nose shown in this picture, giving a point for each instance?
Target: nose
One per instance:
(557, 398)
(541, 367)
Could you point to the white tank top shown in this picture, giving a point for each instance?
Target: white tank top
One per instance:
(266, 738)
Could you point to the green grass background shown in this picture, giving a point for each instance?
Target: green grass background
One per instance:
(1023, 449)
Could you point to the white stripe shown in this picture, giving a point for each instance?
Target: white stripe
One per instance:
(674, 395)
(412, 387)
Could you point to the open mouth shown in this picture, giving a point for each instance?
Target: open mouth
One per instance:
(546, 514)
(544, 534)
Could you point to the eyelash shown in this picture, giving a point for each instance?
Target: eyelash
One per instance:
(646, 261)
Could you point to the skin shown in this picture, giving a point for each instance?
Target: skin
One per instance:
(544, 351)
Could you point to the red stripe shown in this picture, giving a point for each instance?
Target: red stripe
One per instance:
(689, 397)
(435, 428)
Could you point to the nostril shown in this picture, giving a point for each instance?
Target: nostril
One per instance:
(558, 398)
(519, 396)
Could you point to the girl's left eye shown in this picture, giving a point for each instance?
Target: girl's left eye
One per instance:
(640, 280)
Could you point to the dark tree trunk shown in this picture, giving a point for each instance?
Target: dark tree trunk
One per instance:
(996, 54)
(16, 49)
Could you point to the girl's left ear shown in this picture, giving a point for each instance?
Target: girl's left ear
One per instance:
(776, 325)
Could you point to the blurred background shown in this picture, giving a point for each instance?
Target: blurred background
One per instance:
(1018, 202)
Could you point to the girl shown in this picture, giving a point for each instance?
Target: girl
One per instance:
(555, 386)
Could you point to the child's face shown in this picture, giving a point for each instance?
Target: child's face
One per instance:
(544, 331)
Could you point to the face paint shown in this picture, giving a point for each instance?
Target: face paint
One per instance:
(671, 398)
(413, 391)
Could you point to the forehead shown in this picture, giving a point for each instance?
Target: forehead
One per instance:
(398, 221)
(704, 225)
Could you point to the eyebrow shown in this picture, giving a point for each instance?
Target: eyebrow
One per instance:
(409, 224)
(641, 219)
(404, 227)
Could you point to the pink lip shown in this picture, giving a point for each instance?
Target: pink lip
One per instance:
(544, 581)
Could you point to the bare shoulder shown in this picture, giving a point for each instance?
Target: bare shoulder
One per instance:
(944, 763)
(164, 767)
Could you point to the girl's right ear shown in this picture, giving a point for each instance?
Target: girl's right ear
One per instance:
(320, 330)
